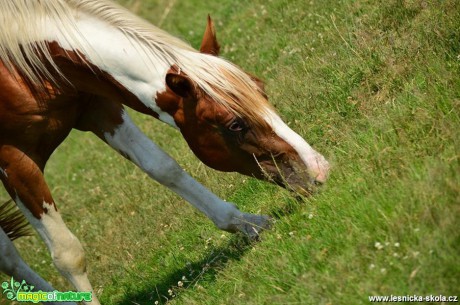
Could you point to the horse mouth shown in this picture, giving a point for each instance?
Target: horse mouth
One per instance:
(290, 177)
(295, 186)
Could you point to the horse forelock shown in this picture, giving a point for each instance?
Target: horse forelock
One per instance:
(23, 46)
(229, 86)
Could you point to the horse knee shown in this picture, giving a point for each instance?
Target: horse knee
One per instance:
(167, 172)
(69, 257)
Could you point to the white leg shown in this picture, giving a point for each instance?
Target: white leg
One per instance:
(12, 264)
(131, 142)
(66, 251)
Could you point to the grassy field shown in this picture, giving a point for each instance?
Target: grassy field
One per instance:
(374, 86)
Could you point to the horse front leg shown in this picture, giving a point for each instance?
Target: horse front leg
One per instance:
(129, 141)
(24, 181)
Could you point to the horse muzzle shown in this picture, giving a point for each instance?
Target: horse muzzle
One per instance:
(295, 176)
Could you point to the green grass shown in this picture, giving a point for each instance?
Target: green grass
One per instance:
(374, 86)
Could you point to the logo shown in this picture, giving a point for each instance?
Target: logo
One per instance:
(22, 292)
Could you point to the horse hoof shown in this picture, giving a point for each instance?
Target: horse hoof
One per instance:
(252, 225)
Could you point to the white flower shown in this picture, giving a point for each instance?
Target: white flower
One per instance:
(378, 246)
(397, 245)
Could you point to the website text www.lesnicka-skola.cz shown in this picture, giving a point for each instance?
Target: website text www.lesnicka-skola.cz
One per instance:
(412, 298)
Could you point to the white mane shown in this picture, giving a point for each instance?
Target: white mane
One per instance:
(23, 47)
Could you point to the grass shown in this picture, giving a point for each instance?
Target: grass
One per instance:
(374, 86)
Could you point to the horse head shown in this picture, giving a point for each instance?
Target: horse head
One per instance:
(259, 144)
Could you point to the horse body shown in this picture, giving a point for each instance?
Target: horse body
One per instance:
(81, 70)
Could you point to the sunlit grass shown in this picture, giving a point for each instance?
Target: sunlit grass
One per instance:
(373, 86)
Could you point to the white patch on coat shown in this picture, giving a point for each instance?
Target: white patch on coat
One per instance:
(127, 62)
(3, 172)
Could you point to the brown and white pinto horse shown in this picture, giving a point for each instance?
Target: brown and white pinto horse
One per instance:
(77, 63)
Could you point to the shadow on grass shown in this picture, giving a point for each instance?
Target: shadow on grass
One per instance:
(203, 271)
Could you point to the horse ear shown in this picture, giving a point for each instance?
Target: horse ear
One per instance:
(260, 84)
(209, 44)
(179, 84)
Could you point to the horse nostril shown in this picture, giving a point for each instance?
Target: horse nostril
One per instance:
(321, 178)
(318, 183)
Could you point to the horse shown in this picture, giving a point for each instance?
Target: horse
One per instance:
(77, 64)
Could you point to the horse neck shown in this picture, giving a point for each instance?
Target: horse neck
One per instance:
(124, 61)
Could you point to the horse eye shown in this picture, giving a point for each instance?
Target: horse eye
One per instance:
(236, 126)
